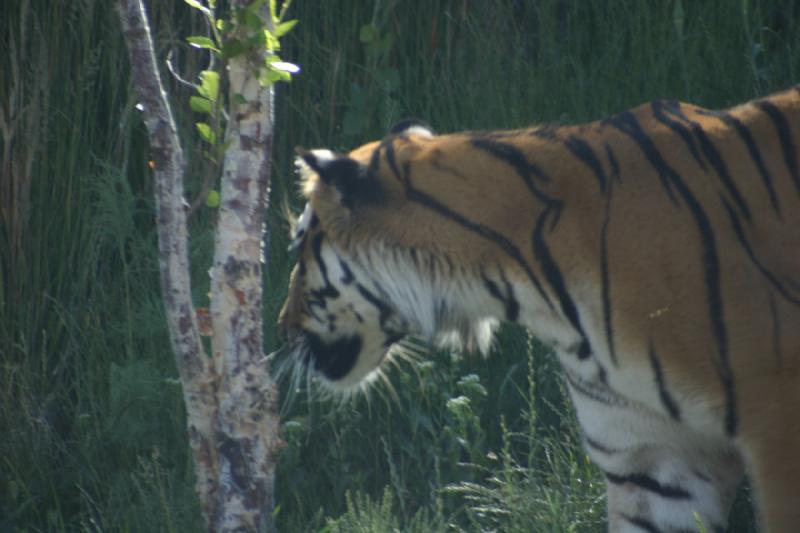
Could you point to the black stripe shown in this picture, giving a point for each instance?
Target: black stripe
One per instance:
(384, 311)
(659, 108)
(514, 157)
(712, 154)
(487, 233)
(641, 523)
(666, 398)
(774, 281)
(580, 388)
(776, 332)
(547, 132)
(508, 299)
(785, 136)
(347, 274)
(646, 525)
(605, 396)
(602, 448)
(755, 154)
(643, 481)
(698, 474)
(627, 123)
(602, 375)
(583, 351)
(612, 161)
(412, 251)
(320, 297)
(388, 146)
(553, 276)
(316, 247)
(375, 161)
(605, 280)
(356, 314)
(584, 152)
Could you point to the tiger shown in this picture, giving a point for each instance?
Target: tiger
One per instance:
(656, 252)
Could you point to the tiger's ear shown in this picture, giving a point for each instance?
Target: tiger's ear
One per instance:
(411, 126)
(346, 176)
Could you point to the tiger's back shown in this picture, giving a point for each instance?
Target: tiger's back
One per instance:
(657, 252)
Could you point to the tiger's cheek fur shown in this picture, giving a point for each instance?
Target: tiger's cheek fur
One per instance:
(338, 319)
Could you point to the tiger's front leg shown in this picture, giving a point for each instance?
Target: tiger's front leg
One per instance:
(660, 475)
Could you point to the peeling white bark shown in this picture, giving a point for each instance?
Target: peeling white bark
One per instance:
(249, 421)
(231, 400)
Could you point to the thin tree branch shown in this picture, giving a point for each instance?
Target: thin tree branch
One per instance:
(198, 374)
(176, 74)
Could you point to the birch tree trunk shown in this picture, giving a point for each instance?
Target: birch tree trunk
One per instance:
(248, 418)
(231, 400)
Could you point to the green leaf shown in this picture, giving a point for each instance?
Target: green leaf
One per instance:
(239, 99)
(197, 5)
(223, 25)
(270, 76)
(277, 70)
(199, 41)
(200, 104)
(206, 133)
(209, 84)
(270, 41)
(284, 28)
(212, 199)
(367, 33)
(233, 48)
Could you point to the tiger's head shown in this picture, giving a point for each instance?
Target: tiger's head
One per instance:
(372, 265)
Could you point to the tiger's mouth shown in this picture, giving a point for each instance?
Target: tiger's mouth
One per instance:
(347, 360)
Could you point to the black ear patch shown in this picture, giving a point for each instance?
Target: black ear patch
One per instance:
(351, 178)
(411, 125)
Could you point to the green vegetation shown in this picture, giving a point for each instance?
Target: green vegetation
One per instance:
(90, 409)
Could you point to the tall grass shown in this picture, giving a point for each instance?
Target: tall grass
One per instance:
(89, 405)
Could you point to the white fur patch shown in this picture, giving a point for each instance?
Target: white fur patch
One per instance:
(418, 129)
(449, 310)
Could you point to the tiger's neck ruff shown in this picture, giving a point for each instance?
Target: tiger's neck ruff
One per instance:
(657, 252)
